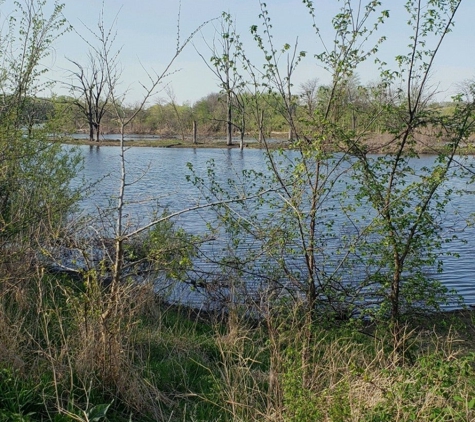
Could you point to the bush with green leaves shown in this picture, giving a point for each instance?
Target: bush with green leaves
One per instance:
(163, 248)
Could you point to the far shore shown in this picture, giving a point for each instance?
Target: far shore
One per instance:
(172, 143)
(378, 144)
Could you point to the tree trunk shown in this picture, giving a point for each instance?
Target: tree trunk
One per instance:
(229, 123)
(261, 127)
(98, 133)
(194, 132)
(395, 302)
(243, 131)
(291, 134)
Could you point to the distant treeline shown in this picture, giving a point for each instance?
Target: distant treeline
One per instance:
(359, 107)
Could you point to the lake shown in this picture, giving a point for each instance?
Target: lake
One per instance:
(157, 179)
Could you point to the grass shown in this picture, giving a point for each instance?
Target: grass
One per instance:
(239, 373)
(179, 365)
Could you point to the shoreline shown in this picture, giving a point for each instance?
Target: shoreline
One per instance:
(276, 143)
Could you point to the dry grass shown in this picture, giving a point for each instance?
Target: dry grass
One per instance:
(296, 374)
(164, 364)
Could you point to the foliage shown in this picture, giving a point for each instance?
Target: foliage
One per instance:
(32, 208)
(19, 400)
(353, 233)
(408, 202)
(163, 248)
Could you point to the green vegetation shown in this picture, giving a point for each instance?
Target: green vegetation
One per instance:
(176, 365)
(173, 123)
(346, 324)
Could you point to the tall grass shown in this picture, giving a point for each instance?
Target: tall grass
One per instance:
(164, 363)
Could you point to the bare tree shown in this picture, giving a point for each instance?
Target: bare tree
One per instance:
(91, 82)
(90, 93)
(172, 98)
(308, 95)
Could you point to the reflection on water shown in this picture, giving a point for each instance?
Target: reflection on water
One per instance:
(156, 179)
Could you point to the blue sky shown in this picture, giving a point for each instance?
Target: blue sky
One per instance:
(146, 32)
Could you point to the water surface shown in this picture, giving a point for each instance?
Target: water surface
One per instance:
(157, 180)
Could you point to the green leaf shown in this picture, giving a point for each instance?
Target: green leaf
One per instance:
(96, 413)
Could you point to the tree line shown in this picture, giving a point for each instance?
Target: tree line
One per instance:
(359, 106)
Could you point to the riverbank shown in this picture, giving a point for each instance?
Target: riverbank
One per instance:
(377, 144)
(172, 142)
